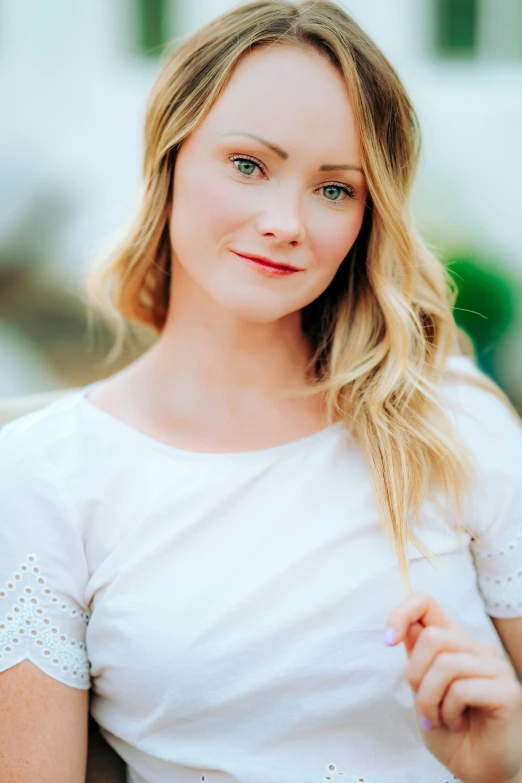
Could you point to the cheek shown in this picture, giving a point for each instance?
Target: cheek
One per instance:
(333, 239)
(208, 208)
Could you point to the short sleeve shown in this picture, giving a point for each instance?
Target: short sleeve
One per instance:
(43, 571)
(494, 438)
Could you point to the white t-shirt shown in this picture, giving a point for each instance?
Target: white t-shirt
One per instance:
(228, 610)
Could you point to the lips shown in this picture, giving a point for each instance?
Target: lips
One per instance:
(268, 262)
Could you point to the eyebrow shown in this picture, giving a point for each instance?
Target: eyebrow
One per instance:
(284, 155)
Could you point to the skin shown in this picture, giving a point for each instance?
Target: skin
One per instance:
(467, 696)
(236, 331)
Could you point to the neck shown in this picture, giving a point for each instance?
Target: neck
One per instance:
(220, 361)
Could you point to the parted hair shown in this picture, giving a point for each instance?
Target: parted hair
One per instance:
(383, 330)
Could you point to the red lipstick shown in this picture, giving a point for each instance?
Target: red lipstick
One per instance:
(266, 264)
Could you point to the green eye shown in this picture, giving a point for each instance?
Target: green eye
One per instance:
(332, 191)
(328, 192)
(245, 166)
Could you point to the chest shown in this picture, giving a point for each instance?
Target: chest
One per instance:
(214, 589)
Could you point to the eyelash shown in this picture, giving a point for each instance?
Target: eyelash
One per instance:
(350, 192)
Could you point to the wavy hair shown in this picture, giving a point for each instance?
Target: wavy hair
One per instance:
(383, 330)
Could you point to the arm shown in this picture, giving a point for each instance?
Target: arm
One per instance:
(43, 728)
(43, 723)
(510, 632)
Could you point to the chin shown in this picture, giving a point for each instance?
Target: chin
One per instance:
(256, 309)
(258, 315)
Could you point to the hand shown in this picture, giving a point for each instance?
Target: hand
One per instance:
(465, 689)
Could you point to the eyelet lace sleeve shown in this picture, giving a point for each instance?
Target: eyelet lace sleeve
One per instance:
(36, 624)
(499, 573)
(494, 515)
(43, 567)
(333, 773)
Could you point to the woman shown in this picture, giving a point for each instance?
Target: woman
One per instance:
(217, 536)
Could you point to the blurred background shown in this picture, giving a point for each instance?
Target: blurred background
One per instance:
(74, 79)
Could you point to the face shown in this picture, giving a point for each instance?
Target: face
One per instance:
(274, 171)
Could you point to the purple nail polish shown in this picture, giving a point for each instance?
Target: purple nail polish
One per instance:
(390, 637)
(424, 722)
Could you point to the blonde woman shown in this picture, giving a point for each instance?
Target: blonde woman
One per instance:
(284, 544)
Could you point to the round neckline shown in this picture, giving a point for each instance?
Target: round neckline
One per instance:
(272, 451)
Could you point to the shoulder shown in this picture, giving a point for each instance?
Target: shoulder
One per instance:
(489, 426)
(39, 415)
(42, 541)
(41, 450)
(491, 431)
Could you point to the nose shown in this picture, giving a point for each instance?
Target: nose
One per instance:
(282, 220)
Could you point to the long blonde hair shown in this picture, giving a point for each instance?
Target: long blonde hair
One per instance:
(383, 330)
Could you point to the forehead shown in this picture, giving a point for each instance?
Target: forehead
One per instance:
(293, 96)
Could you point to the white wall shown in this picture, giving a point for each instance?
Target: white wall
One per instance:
(73, 101)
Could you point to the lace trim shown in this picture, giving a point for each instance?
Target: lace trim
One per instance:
(506, 550)
(502, 592)
(500, 580)
(333, 773)
(27, 620)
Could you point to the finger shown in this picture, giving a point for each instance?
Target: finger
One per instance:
(500, 698)
(412, 636)
(433, 641)
(420, 608)
(447, 668)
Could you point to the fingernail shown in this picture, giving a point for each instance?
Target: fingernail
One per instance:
(424, 722)
(390, 637)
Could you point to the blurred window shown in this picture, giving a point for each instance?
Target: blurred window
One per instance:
(456, 27)
(153, 25)
(501, 29)
(485, 29)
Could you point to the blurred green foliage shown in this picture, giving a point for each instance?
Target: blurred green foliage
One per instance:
(488, 296)
(456, 27)
(153, 26)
